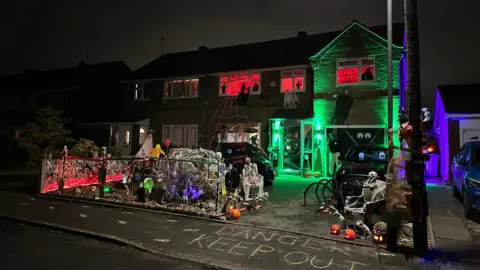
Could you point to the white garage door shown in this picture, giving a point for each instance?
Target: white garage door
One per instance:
(470, 135)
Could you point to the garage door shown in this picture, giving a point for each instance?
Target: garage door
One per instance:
(470, 135)
(351, 136)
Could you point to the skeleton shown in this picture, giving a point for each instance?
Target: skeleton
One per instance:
(373, 191)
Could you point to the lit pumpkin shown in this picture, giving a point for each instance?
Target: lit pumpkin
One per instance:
(316, 174)
(349, 234)
(379, 232)
(308, 174)
(335, 229)
(235, 214)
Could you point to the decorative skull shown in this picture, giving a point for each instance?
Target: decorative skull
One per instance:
(247, 160)
(382, 155)
(359, 136)
(368, 135)
(372, 174)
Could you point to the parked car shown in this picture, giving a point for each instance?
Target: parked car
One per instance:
(236, 153)
(465, 174)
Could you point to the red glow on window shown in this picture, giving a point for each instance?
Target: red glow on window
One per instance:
(234, 84)
(287, 85)
(347, 75)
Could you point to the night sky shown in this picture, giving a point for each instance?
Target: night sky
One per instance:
(46, 34)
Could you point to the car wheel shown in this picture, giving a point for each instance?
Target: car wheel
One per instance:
(268, 177)
(467, 206)
(456, 192)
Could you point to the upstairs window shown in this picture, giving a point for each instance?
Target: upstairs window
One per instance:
(293, 81)
(181, 89)
(356, 71)
(139, 92)
(232, 85)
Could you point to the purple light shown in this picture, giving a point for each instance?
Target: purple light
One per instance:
(440, 127)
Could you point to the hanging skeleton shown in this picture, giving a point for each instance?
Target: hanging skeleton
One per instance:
(290, 100)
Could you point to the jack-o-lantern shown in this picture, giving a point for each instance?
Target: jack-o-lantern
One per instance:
(349, 234)
(335, 229)
(379, 232)
(316, 174)
(308, 174)
(235, 214)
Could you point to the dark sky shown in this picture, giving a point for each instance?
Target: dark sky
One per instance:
(46, 34)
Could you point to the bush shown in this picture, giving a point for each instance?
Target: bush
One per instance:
(83, 147)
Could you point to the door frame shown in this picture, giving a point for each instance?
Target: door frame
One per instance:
(302, 142)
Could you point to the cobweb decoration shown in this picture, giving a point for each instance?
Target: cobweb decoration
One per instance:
(373, 191)
(290, 100)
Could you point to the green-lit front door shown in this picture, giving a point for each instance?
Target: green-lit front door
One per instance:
(292, 146)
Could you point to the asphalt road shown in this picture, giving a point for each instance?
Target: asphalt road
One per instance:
(27, 247)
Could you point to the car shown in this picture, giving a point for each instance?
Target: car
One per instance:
(236, 153)
(465, 175)
(362, 159)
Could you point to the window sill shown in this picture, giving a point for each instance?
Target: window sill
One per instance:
(357, 84)
(296, 91)
(251, 94)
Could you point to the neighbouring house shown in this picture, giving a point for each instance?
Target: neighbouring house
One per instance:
(291, 85)
(86, 93)
(457, 120)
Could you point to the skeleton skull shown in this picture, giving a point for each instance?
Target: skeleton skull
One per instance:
(372, 174)
(382, 155)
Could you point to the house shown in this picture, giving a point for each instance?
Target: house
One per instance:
(290, 83)
(86, 93)
(457, 120)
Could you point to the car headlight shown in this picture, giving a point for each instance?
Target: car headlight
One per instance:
(474, 182)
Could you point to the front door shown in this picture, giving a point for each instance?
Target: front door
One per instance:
(291, 144)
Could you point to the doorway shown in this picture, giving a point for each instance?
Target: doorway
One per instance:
(292, 146)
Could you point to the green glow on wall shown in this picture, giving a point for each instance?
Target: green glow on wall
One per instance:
(277, 143)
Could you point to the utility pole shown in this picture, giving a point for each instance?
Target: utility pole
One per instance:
(392, 218)
(416, 165)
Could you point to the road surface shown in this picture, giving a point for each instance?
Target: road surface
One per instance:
(26, 247)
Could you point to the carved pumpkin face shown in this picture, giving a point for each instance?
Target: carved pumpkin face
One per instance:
(235, 214)
(308, 175)
(349, 234)
(317, 174)
(335, 229)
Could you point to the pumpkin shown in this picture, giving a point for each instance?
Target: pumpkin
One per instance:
(235, 214)
(316, 174)
(308, 174)
(335, 229)
(349, 234)
(379, 232)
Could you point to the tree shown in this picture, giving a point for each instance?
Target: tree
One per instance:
(85, 147)
(45, 134)
(416, 166)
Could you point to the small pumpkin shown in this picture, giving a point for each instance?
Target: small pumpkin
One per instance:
(349, 234)
(335, 229)
(316, 174)
(308, 174)
(235, 214)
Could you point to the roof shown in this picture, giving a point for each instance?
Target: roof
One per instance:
(65, 77)
(460, 98)
(269, 54)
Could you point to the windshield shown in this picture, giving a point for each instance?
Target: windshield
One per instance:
(367, 154)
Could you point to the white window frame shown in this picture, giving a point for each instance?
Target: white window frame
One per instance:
(139, 92)
(165, 87)
(359, 66)
(239, 74)
(292, 76)
(191, 141)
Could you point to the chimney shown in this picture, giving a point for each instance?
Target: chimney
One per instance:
(302, 34)
(161, 45)
(202, 48)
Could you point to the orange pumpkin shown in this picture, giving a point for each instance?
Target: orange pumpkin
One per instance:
(308, 175)
(335, 229)
(349, 234)
(235, 214)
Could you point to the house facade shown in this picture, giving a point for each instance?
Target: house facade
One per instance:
(88, 94)
(290, 86)
(456, 121)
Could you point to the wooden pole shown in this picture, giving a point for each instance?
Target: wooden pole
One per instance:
(416, 166)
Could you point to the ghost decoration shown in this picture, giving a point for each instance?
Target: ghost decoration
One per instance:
(290, 100)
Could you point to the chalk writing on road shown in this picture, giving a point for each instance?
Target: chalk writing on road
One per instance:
(293, 250)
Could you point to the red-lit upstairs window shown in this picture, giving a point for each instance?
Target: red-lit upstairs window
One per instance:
(292, 81)
(356, 71)
(231, 85)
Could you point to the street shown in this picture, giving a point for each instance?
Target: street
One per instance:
(27, 247)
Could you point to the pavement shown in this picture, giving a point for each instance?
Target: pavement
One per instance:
(30, 247)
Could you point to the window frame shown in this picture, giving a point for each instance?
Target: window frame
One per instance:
(359, 66)
(304, 89)
(239, 74)
(166, 82)
(171, 127)
(137, 87)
